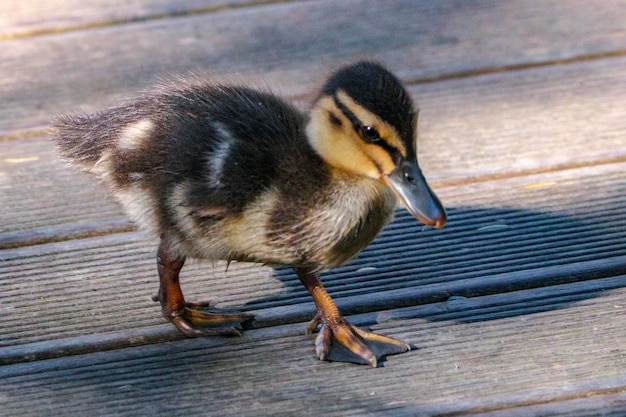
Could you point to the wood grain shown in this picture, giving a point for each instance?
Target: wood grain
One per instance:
(39, 17)
(500, 352)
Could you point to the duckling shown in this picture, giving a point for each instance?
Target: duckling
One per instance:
(225, 172)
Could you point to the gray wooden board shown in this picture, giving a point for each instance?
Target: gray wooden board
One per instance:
(291, 46)
(516, 307)
(37, 17)
(471, 129)
(606, 403)
(476, 355)
(37, 190)
(507, 236)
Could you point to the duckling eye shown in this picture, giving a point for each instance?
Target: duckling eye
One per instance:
(370, 134)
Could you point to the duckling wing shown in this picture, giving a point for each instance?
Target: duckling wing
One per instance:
(211, 149)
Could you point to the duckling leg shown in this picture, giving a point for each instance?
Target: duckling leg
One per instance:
(186, 316)
(353, 344)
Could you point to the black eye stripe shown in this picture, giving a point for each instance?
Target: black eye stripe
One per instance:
(334, 119)
(394, 153)
(356, 123)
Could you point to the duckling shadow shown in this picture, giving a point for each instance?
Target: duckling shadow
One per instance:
(457, 272)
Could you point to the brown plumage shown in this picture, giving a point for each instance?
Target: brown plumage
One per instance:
(226, 172)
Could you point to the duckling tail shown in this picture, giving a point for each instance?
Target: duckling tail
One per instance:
(81, 139)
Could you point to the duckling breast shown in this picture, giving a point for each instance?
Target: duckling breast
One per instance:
(377, 213)
(327, 228)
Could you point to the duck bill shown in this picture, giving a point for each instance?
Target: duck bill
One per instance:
(411, 188)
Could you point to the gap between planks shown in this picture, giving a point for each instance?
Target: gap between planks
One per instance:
(151, 369)
(45, 130)
(130, 18)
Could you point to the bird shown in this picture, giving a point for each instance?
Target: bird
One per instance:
(228, 172)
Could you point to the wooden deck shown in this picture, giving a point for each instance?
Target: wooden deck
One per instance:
(516, 308)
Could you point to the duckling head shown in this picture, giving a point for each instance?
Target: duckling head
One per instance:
(364, 122)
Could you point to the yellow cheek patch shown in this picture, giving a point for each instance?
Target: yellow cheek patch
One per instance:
(387, 132)
(337, 144)
(380, 158)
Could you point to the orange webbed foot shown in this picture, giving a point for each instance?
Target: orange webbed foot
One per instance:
(341, 341)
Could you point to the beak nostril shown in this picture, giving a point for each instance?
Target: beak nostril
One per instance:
(412, 190)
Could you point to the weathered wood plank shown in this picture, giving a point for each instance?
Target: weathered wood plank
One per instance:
(61, 284)
(495, 353)
(20, 19)
(456, 293)
(516, 307)
(291, 46)
(37, 191)
(597, 401)
(471, 130)
(78, 230)
(522, 122)
(502, 236)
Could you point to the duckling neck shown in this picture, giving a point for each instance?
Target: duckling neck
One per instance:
(363, 206)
